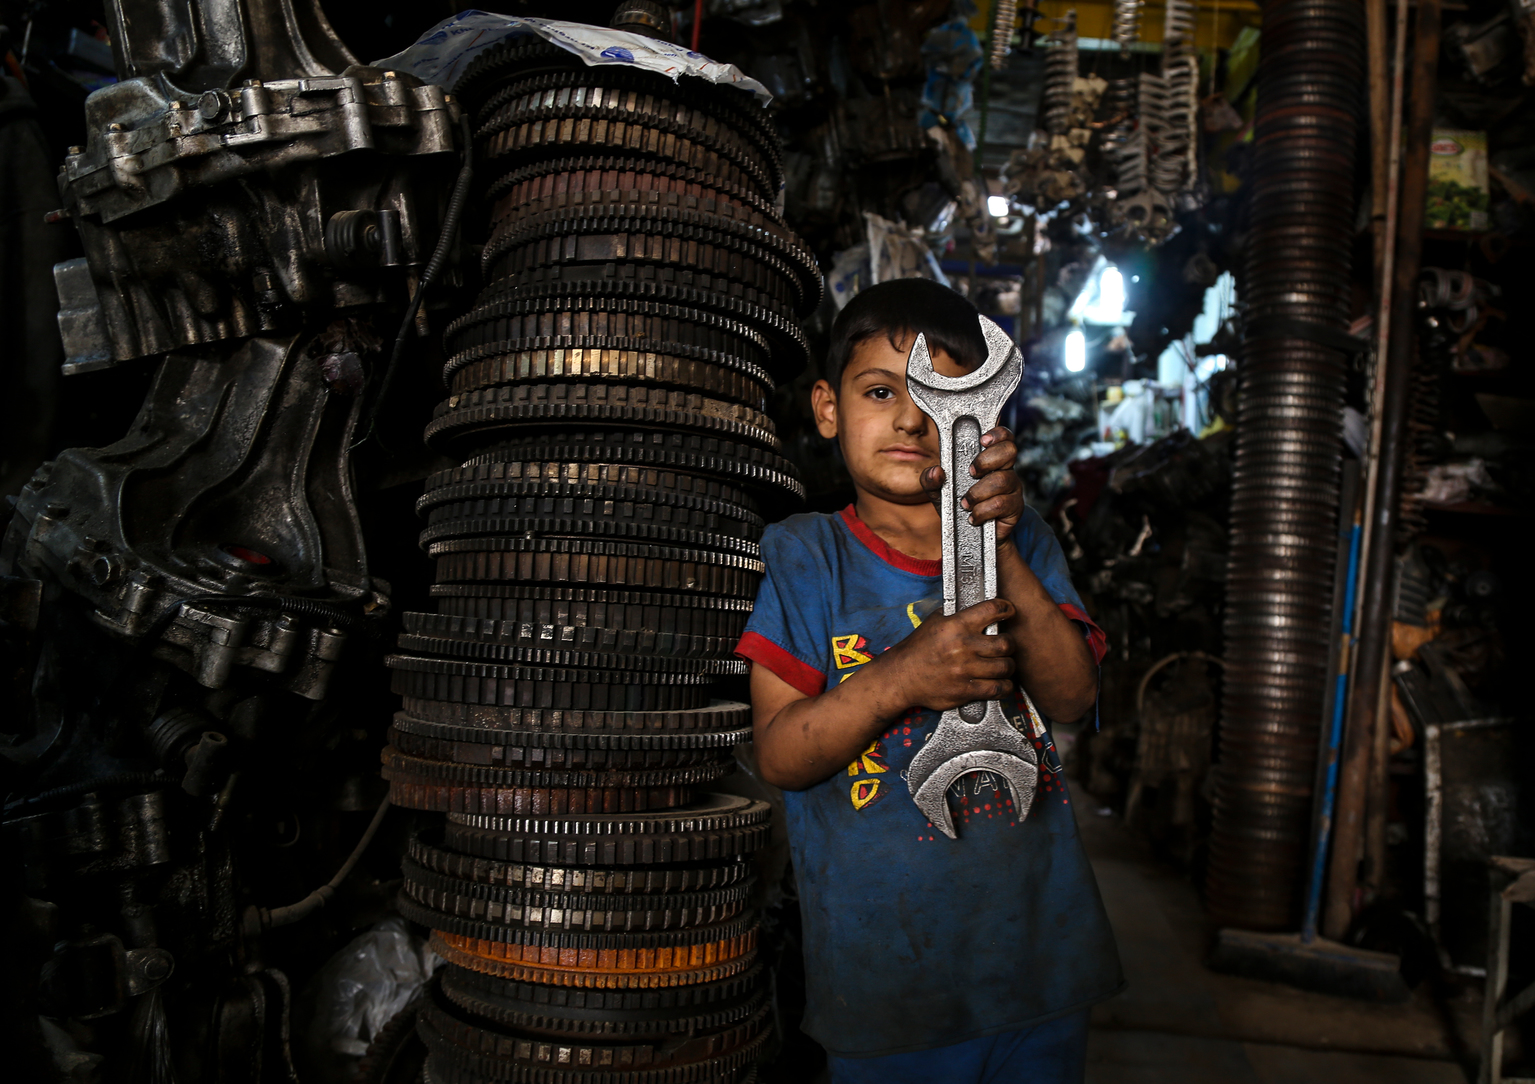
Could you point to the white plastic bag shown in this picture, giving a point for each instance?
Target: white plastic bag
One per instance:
(364, 984)
(443, 53)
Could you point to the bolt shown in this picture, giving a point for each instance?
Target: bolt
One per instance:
(57, 509)
(157, 968)
(102, 570)
(73, 151)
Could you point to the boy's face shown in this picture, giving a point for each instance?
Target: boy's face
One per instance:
(887, 442)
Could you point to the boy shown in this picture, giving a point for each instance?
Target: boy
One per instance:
(928, 959)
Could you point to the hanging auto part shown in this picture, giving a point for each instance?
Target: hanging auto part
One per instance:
(1127, 23)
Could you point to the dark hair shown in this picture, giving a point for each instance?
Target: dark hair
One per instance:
(903, 307)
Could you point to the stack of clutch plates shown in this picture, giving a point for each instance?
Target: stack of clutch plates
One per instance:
(596, 556)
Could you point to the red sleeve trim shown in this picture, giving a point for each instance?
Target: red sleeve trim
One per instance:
(765, 653)
(1095, 636)
(882, 550)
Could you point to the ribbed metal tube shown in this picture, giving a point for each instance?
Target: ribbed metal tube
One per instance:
(1285, 487)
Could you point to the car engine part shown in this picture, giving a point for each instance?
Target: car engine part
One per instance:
(254, 206)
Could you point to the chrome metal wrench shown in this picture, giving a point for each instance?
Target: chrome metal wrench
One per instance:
(976, 737)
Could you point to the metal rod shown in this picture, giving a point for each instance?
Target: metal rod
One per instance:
(1334, 741)
(1376, 607)
(1383, 292)
(1380, 105)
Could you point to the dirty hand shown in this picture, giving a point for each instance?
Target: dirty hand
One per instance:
(997, 493)
(951, 661)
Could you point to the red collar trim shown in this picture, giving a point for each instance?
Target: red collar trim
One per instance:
(881, 549)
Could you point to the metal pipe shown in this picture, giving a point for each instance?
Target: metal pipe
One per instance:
(1380, 778)
(1378, 797)
(1388, 263)
(1375, 612)
(1334, 741)
(1375, 36)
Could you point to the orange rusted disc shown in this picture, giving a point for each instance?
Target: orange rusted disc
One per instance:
(606, 969)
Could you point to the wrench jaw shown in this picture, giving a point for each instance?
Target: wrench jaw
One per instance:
(958, 748)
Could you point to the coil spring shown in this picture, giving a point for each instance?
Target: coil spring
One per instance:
(1118, 109)
(1060, 72)
(1151, 103)
(1178, 24)
(1180, 78)
(1002, 32)
(1425, 422)
(1127, 23)
(1129, 160)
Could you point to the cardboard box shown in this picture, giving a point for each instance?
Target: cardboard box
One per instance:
(1457, 181)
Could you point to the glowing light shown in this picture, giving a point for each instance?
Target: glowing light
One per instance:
(998, 206)
(1076, 351)
(1111, 292)
(1102, 300)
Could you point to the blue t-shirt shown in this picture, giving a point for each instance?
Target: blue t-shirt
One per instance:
(913, 940)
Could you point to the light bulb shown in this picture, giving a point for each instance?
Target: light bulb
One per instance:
(1111, 294)
(998, 206)
(1076, 351)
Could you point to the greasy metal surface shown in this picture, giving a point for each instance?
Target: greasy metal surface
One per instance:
(222, 527)
(229, 214)
(978, 736)
(249, 203)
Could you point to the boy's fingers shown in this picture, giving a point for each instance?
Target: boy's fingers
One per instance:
(1003, 507)
(992, 485)
(992, 690)
(980, 615)
(999, 646)
(990, 669)
(932, 479)
(998, 457)
(994, 436)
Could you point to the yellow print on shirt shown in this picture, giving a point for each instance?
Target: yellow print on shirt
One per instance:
(847, 651)
(871, 762)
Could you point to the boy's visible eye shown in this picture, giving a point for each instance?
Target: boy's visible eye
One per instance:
(880, 393)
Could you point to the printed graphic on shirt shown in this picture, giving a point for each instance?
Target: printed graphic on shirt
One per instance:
(847, 651)
(866, 791)
(871, 760)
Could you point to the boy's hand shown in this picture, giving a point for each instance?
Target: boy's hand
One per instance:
(997, 493)
(951, 661)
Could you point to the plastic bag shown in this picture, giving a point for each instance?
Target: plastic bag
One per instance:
(364, 984)
(443, 53)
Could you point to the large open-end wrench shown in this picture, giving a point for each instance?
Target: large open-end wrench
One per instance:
(974, 737)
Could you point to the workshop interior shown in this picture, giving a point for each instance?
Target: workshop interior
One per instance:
(394, 397)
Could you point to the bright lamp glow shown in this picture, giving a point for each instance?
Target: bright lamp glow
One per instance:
(998, 206)
(1102, 300)
(1076, 351)
(1111, 291)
